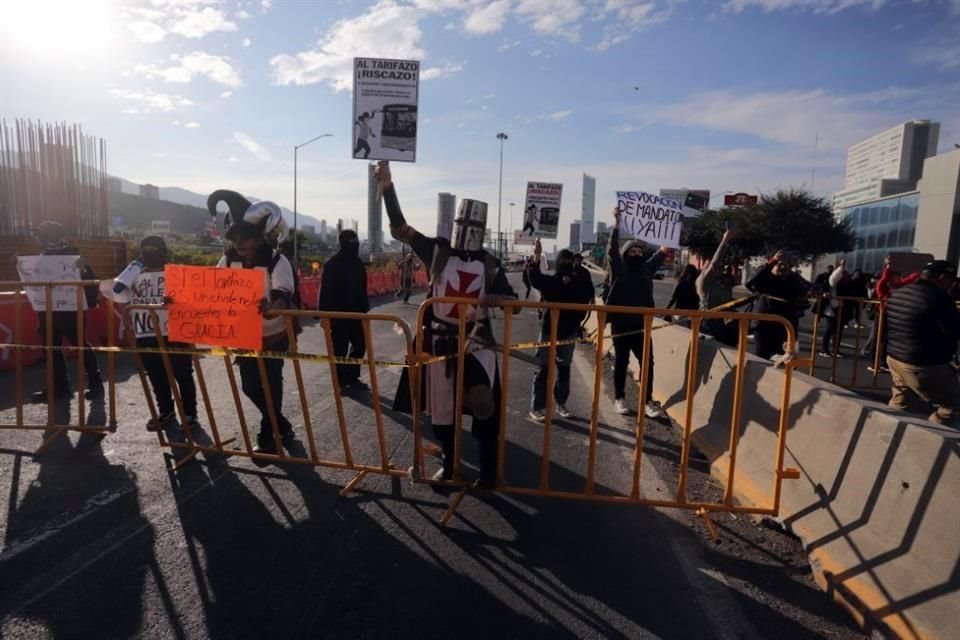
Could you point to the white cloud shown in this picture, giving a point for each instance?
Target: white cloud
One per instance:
(626, 17)
(817, 6)
(443, 5)
(386, 30)
(558, 18)
(226, 94)
(265, 5)
(150, 101)
(252, 146)
(148, 32)
(536, 53)
(191, 23)
(440, 72)
(192, 125)
(944, 54)
(242, 15)
(232, 159)
(216, 68)
(488, 19)
(247, 42)
(506, 46)
(795, 118)
(556, 115)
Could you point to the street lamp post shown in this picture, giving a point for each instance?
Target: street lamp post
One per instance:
(295, 149)
(501, 137)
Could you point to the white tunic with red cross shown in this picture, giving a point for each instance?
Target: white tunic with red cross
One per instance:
(459, 279)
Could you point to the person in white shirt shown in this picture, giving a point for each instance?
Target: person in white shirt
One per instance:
(247, 228)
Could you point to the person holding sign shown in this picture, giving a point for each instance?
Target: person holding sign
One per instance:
(248, 227)
(459, 268)
(143, 280)
(631, 285)
(565, 285)
(51, 237)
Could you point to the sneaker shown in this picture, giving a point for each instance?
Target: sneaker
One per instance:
(95, 392)
(883, 369)
(840, 356)
(621, 407)
(264, 445)
(59, 393)
(654, 410)
(562, 411)
(156, 424)
(824, 354)
(537, 416)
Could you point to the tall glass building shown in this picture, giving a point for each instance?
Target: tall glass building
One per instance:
(882, 226)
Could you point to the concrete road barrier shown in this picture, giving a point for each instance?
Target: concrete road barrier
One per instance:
(877, 504)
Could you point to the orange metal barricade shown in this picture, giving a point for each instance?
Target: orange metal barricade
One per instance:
(874, 360)
(194, 443)
(58, 418)
(589, 493)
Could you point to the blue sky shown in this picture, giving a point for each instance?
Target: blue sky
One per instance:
(643, 94)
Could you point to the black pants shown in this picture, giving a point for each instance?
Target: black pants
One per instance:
(836, 323)
(182, 366)
(253, 388)
(348, 341)
(362, 144)
(623, 346)
(727, 333)
(65, 327)
(485, 428)
(771, 336)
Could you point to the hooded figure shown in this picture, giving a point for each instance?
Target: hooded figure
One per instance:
(343, 287)
(631, 285)
(459, 268)
(247, 227)
(52, 239)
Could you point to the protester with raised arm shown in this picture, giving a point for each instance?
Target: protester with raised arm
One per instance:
(460, 268)
(780, 291)
(631, 285)
(715, 289)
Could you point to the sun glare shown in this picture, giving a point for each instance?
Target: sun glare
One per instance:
(61, 27)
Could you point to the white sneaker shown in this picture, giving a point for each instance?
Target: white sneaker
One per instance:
(537, 416)
(562, 411)
(654, 410)
(621, 407)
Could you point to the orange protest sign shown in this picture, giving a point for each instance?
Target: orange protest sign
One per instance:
(214, 305)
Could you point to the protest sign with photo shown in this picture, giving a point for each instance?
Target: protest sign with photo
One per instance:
(148, 289)
(215, 305)
(385, 97)
(541, 210)
(50, 269)
(650, 218)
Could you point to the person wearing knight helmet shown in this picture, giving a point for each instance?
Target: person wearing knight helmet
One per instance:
(460, 268)
(247, 226)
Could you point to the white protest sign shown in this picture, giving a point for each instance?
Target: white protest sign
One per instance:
(50, 269)
(653, 219)
(541, 210)
(148, 288)
(385, 97)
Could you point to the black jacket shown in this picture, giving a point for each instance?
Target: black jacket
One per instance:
(785, 296)
(631, 281)
(343, 285)
(685, 296)
(923, 325)
(578, 289)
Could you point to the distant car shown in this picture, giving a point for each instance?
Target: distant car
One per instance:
(662, 273)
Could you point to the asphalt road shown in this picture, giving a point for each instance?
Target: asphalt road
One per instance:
(101, 539)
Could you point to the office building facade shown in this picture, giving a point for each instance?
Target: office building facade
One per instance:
(888, 163)
(587, 209)
(575, 227)
(446, 209)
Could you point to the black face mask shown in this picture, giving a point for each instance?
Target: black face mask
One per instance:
(565, 267)
(350, 249)
(153, 260)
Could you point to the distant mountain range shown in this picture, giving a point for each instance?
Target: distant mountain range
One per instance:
(192, 199)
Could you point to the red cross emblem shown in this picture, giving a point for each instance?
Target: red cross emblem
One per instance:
(466, 279)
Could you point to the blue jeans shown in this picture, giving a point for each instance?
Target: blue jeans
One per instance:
(561, 390)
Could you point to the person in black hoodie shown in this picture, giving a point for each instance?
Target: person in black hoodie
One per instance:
(631, 285)
(52, 240)
(343, 287)
(565, 285)
(923, 327)
(780, 292)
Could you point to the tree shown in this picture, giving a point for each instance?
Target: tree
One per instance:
(790, 219)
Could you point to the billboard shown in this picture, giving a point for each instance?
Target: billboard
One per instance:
(692, 201)
(739, 200)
